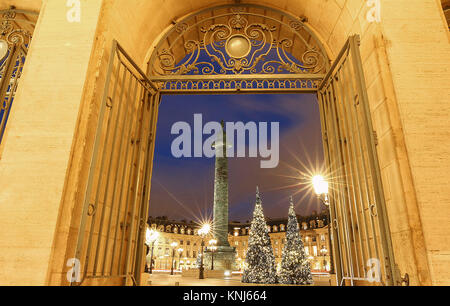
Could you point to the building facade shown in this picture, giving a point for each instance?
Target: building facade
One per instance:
(313, 230)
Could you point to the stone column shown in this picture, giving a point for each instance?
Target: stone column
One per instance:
(221, 192)
(225, 256)
(39, 138)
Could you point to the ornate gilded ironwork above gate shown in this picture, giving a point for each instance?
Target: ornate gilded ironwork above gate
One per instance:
(236, 40)
(16, 29)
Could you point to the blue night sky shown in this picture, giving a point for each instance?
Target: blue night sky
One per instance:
(184, 188)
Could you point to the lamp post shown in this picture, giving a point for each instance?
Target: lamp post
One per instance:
(180, 252)
(151, 236)
(324, 253)
(203, 231)
(321, 189)
(173, 245)
(240, 263)
(213, 248)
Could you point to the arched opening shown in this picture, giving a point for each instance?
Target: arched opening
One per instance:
(240, 38)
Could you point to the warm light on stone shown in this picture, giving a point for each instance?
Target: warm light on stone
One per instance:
(3, 49)
(238, 46)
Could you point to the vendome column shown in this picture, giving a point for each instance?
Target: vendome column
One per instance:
(224, 256)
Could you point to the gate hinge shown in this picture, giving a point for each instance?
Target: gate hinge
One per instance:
(401, 281)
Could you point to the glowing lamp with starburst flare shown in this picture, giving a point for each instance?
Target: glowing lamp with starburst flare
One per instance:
(320, 185)
(151, 236)
(205, 229)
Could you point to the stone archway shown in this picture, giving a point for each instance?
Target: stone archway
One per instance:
(407, 167)
(163, 63)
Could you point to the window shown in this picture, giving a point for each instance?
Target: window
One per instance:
(315, 250)
(307, 250)
(188, 242)
(181, 242)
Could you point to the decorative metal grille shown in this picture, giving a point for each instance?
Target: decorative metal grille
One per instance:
(282, 83)
(360, 225)
(236, 40)
(16, 28)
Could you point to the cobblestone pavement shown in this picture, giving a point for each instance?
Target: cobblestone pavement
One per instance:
(165, 279)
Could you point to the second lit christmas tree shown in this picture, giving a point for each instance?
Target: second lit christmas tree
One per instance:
(295, 268)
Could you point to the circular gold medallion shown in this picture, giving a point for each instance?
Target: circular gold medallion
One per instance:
(238, 46)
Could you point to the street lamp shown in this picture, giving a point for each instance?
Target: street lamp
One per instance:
(203, 231)
(240, 263)
(213, 248)
(180, 252)
(151, 236)
(321, 189)
(323, 253)
(173, 245)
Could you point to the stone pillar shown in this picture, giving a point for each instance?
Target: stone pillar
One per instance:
(418, 51)
(38, 140)
(225, 256)
(221, 192)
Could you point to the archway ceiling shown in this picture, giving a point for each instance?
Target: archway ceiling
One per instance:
(31, 5)
(151, 18)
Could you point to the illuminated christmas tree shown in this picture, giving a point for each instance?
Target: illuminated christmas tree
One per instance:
(295, 267)
(260, 260)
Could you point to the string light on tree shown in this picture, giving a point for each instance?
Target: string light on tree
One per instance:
(260, 260)
(295, 267)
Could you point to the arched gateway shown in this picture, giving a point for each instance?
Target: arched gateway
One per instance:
(233, 49)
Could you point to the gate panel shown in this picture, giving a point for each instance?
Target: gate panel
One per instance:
(114, 211)
(361, 236)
